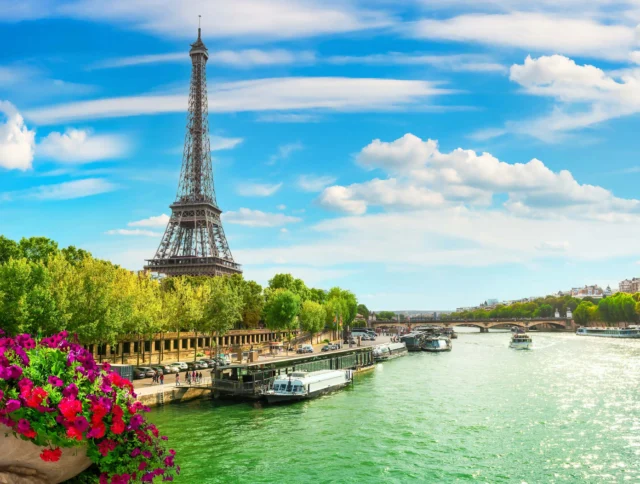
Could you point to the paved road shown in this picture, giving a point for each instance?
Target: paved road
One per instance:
(170, 379)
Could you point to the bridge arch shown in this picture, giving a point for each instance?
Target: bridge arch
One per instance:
(555, 325)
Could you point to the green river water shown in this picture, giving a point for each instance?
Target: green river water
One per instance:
(567, 411)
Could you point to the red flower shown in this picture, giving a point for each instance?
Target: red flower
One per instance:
(106, 446)
(74, 433)
(36, 397)
(70, 407)
(97, 431)
(117, 411)
(99, 411)
(30, 434)
(117, 427)
(51, 455)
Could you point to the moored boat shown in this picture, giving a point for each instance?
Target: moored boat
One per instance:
(389, 351)
(302, 385)
(436, 344)
(631, 332)
(520, 341)
(413, 341)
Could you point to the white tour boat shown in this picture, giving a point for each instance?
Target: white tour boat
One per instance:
(302, 385)
(631, 332)
(389, 351)
(520, 341)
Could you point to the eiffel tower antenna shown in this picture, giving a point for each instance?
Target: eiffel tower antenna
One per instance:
(194, 242)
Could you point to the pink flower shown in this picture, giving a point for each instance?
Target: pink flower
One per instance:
(81, 423)
(55, 381)
(12, 405)
(142, 466)
(70, 390)
(135, 452)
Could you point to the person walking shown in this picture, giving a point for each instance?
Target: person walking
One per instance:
(162, 379)
(177, 379)
(193, 375)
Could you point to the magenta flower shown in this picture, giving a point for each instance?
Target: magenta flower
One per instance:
(23, 426)
(80, 423)
(146, 453)
(135, 452)
(55, 381)
(70, 390)
(12, 405)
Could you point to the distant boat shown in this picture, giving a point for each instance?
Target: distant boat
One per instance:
(632, 332)
(436, 344)
(389, 351)
(302, 385)
(520, 341)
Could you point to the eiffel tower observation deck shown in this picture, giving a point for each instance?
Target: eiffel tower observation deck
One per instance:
(194, 242)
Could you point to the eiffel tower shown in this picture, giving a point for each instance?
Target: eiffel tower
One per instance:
(194, 243)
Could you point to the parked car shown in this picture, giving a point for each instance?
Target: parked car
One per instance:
(335, 347)
(350, 341)
(173, 368)
(180, 365)
(305, 349)
(164, 369)
(203, 363)
(138, 374)
(224, 359)
(148, 372)
(327, 348)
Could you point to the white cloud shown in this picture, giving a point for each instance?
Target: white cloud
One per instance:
(282, 206)
(134, 232)
(389, 193)
(81, 146)
(584, 94)
(450, 236)
(554, 246)
(313, 183)
(63, 191)
(17, 142)
(219, 143)
(275, 94)
(231, 58)
(154, 221)
(535, 31)
(284, 230)
(285, 151)
(257, 218)
(455, 62)
(239, 19)
(258, 189)
(426, 177)
(288, 118)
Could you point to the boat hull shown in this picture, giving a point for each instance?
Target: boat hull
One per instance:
(520, 346)
(274, 398)
(436, 350)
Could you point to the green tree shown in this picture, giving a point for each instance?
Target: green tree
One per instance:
(281, 311)
(584, 313)
(9, 249)
(386, 315)
(364, 311)
(312, 317)
(546, 310)
(223, 308)
(38, 249)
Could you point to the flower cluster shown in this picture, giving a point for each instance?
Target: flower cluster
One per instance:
(55, 395)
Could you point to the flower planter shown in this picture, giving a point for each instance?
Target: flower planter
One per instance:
(16, 454)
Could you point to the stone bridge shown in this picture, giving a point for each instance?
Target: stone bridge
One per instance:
(549, 324)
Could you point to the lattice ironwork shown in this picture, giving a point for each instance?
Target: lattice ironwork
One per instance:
(194, 242)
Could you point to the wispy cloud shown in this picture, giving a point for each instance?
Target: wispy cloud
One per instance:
(258, 189)
(63, 191)
(257, 218)
(154, 221)
(288, 118)
(274, 94)
(219, 143)
(313, 183)
(133, 232)
(284, 152)
(454, 62)
(241, 59)
(17, 142)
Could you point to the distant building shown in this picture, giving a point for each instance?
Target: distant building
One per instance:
(593, 291)
(625, 286)
(492, 302)
(608, 292)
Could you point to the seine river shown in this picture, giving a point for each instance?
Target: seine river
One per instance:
(568, 411)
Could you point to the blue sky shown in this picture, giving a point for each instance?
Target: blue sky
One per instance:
(425, 154)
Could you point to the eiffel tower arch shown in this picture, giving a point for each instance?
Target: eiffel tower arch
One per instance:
(194, 242)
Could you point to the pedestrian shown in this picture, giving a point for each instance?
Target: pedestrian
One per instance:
(162, 378)
(200, 377)
(177, 379)
(193, 375)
